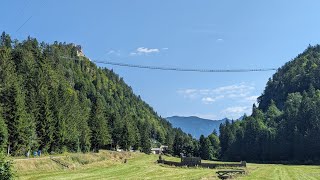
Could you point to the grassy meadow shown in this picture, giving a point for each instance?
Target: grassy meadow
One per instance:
(110, 165)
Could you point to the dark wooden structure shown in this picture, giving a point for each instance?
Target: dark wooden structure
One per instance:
(191, 162)
(229, 173)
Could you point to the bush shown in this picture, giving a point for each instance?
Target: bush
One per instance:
(6, 172)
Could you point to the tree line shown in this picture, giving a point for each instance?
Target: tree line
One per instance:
(56, 104)
(286, 125)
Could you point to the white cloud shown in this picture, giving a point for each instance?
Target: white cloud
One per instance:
(110, 52)
(251, 99)
(236, 111)
(210, 100)
(234, 89)
(165, 48)
(113, 52)
(144, 51)
(189, 93)
(241, 92)
(220, 40)
(241, 96)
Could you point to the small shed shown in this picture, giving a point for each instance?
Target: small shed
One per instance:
(156, 150)
(160, 150)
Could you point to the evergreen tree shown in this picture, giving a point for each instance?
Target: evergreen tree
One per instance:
(98, 124)
(145, 138)
(5, 40)
(128, 134)
(3, 133)
(215, 143)
(45, 124)
(206, 151)
(57, 104)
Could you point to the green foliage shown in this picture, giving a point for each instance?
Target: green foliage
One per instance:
(142, 166)
(145, 140)
(5, 40)
(98, 124)
(215, 143)
(3, 134)
(56, 104)
(295, 76)
(184, 144)
(286, 126)
(6, 172)
(206, 149)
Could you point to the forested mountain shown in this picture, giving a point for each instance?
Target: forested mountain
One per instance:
(295, 76)
(286, 125)
(196, 126)
(55, 99)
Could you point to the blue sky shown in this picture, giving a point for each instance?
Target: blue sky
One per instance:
(178, 33)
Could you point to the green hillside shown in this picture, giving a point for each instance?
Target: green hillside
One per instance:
(296, 75)
(286, 125)
(54, 99)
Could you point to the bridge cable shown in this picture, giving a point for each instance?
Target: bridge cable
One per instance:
(175, 68)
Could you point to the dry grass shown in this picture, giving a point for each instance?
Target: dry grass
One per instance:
(109, 165)
(73, 160)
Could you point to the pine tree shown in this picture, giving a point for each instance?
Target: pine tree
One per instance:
(145, 138)
(3, 133)
(57, 104)
(59, 100)
(127, 134)
(206, 150)
(98, 123)
(215, 143)
(117, 126)
(5, 40)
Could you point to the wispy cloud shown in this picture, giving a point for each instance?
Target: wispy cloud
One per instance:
(236, 111)
(113, 52)
(241, 92)
(144, 51)
(220, 40)
(240, 95)
(210, 100)
(251, 99)
(189, 93)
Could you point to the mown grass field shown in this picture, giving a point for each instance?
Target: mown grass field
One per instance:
(110, 165)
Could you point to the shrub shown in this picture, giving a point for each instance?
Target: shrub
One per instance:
(6, 172)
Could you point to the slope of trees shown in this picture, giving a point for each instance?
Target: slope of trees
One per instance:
(295, 76)
(286, 126)
(58, 104)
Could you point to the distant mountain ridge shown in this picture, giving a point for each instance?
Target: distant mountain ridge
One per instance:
(195, 125)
